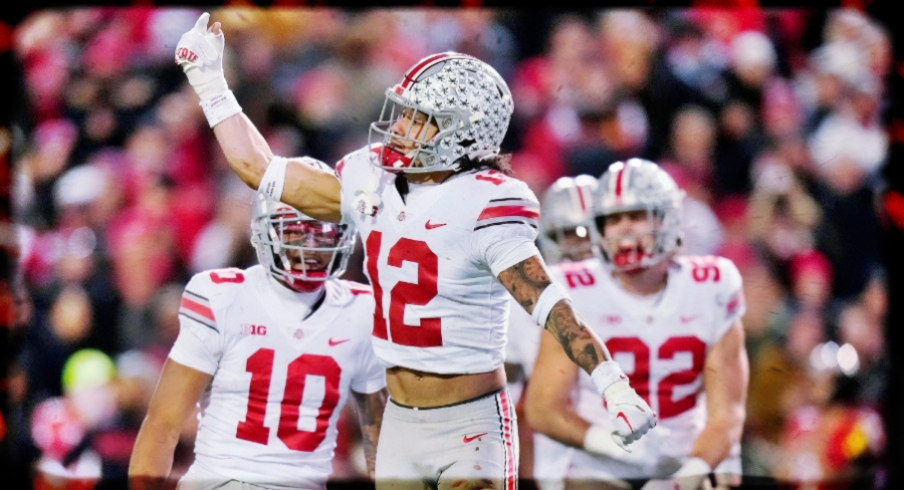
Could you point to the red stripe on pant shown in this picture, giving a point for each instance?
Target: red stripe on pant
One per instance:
(507, 440)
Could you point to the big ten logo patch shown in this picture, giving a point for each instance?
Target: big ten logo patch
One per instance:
(250, 329)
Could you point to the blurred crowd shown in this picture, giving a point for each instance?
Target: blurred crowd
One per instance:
(768, 119)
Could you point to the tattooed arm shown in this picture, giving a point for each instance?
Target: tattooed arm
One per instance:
(370, 415)
(526, 281)
(530, 284)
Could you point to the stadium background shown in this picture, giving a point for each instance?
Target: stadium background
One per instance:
(772, 120)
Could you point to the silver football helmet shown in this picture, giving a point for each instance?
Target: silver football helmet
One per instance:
(566, 219)
(465, 98)
(298, 250)
(639, 185)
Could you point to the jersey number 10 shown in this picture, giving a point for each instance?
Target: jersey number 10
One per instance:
(260, 365)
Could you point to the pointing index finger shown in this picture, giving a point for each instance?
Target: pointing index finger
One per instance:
(201, 24)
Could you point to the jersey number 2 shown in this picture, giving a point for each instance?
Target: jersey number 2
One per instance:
(260, 365)
(429, 332)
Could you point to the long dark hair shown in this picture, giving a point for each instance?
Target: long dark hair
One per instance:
(500, 162)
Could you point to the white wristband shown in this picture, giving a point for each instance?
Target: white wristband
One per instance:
(693, 467)
(548, 298)
(219, 107)
(598, 440)
(274, 178)
(606, 374)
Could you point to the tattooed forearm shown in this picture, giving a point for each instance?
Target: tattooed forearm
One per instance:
(526, 280)
(580, 343)
(370, 415)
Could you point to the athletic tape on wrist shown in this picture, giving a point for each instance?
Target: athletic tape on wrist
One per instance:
(607, 374)
(598, 440)
(274, 178)
(219, 107)
(548, 298)
(694, 467)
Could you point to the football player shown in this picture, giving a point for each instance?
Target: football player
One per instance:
(564, 211)
(446, 234)
(272, 352)
(674, 321)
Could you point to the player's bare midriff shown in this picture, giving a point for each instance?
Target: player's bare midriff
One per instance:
(425, 390)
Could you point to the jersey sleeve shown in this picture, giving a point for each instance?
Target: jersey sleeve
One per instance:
(372, 376)
(200, 341)
(730, 303)
(505, 231)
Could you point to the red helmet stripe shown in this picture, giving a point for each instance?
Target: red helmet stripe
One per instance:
(424, 64)
(583, 202)
(618, 181)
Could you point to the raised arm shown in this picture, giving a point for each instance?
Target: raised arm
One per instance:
(307, 188)
(370, 415)
(549, 305)
(173, 403)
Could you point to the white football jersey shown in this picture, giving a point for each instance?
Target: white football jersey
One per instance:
(433, 260)
(661, 343)
(269, 415)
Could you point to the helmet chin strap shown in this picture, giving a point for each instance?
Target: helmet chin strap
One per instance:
(390, 157)
(295, 283)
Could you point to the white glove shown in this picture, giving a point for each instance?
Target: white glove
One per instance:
(200, 54)
(599, 440)
(631, 416)
(693, 475)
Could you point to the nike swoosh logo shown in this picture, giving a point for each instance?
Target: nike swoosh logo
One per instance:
(469, 439)
(689, 318)
(432, 226)
(334, 343)
(621, 415)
